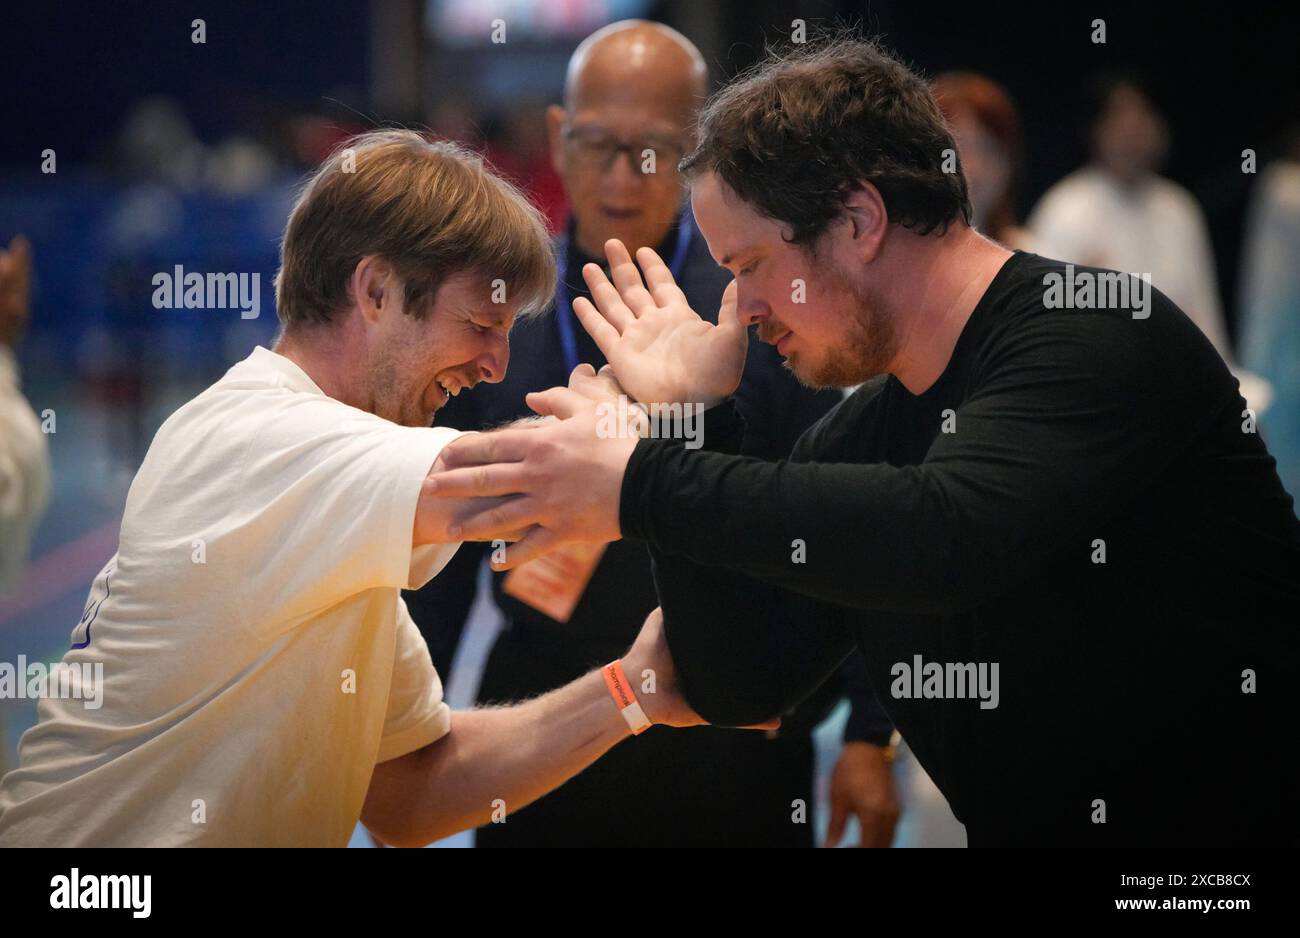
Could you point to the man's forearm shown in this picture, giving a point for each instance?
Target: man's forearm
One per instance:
(493, 760)
(745, 650)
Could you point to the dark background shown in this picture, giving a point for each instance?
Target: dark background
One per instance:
(1227, 76)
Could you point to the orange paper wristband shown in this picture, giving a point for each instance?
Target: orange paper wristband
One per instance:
(624, 698)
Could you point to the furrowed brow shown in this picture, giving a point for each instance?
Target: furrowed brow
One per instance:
(734, 256)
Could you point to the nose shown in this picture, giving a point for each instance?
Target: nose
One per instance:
(493, 363)
(750, 309)
(624, 172)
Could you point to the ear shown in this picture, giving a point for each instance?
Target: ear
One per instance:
(869, 220)
(375, 286)
(555, 117)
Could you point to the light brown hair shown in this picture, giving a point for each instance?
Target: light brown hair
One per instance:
(430, 208)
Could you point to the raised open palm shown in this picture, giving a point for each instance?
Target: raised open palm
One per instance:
(660, 349)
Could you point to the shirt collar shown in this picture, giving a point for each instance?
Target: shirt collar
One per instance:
(289, 373)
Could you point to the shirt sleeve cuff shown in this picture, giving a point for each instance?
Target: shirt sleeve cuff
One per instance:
(432, 728)
(417, 565)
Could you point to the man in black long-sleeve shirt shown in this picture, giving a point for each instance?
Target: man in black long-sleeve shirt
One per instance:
(1096, 524)
(1048, 522)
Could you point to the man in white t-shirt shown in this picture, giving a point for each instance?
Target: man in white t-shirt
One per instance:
(245, 671)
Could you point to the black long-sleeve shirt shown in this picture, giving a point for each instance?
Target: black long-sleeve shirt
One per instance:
(968, 524)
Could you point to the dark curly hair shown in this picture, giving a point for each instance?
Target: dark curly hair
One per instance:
(797, 132)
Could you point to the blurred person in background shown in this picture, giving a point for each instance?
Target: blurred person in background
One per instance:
(1270, 304)
(631, 93)
(1118, 213)
(986, 126)
(24, 452)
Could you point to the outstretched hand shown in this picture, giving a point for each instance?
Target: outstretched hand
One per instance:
(659, 347)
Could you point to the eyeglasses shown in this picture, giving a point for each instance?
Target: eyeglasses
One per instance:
(593, 148)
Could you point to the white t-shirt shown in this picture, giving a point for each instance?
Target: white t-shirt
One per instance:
(257, 657)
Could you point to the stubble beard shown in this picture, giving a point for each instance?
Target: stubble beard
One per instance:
(389, 397)
(868, 349)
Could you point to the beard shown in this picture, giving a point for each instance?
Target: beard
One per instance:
(869, 346)
(393, 395)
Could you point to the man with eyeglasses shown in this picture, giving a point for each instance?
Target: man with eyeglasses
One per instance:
(631, 93)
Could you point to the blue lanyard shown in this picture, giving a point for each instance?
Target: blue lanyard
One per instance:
(564, 317)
